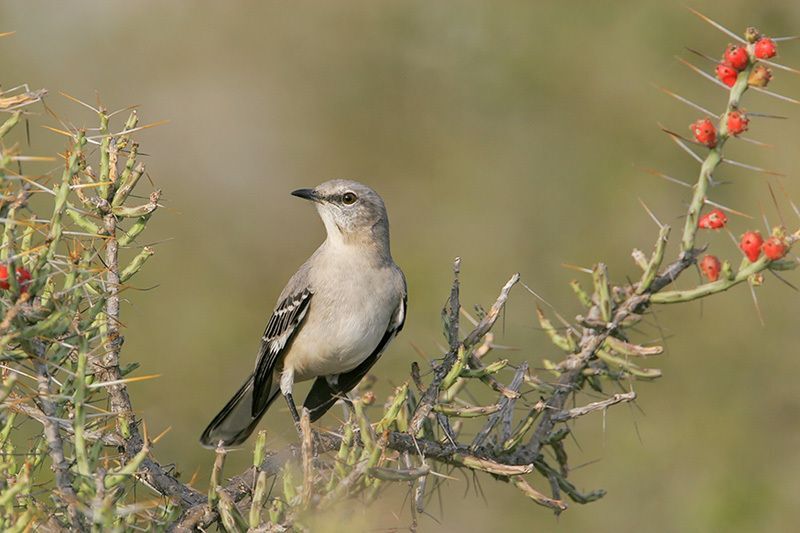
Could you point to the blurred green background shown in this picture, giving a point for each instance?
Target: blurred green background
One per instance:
(508, 133)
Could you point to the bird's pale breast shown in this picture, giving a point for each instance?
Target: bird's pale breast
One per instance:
(345, 323)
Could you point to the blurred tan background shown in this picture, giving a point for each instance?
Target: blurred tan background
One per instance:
(508, 133)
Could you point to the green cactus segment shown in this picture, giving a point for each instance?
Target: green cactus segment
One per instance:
(451, 377)
(564, 342)
(602, 291)
(136, 264)
(583, 296)
(721, 285)
(627, 366)
(9, 123)
(712, 160)
(655, 261)
(392, 412)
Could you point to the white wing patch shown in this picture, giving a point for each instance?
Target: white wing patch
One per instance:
(283, 323)
(291, 317)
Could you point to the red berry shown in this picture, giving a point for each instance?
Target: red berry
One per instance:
(736, 56)
(705, 132)
(765, 48)
(774, 248)
(716, 219)
(760, 76)
(23, 278)
(737, 122)
(726, 74)
(710, 267)
(750, 244)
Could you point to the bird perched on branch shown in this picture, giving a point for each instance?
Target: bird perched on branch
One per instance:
(333, 320)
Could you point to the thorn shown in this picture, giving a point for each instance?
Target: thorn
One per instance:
(36, 184)
(471, 319)
(683, 145)
(687, 101)
(32, 158)
(775, 202)
(764, 217)
(125, 380)
(757, 143)
(659, 174)
(787, 282)
(755, 302)
(717, 25)
(701, 54)
(779, 66)
(735, 242)
(776, 95)
(779, 39)
(679, 136)
(548, 304)
(766, 115)
(132, 130)
(124, 109)
(551, 306)
(54, 115)
(158, 437)
(576, 267)
(706, 75)
(752, 167)
(419, 351)
(786, 195)
(69, 97)
(61, 132)
(655, 219)
(728, 209)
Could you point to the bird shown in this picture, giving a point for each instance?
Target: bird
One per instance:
(332, 321)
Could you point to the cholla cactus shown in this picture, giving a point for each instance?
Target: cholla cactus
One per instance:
(66, 259)
(60, 333)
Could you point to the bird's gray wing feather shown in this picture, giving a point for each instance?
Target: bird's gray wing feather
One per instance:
(326, 390)
(282, 326)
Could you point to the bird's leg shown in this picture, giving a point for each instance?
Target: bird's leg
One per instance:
(287, 383)
(348, 404)
(292, 408)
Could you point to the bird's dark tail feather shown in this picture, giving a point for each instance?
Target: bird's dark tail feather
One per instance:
(235, 422)
(320, 398)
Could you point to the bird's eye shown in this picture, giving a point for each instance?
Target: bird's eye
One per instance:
(349, 198)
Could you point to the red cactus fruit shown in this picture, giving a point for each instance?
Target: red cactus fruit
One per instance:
(726, 74)
(710, 267)
(715, 219)
(23, 278)
(736, 56)
(705, 132)
(750, 244)
(774, 248)
(765, 48)
(759, 76)
(737, 122)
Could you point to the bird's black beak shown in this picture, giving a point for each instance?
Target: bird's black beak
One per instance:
(307, 194)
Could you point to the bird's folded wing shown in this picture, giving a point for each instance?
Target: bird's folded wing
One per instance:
(284, 323)
(326, 390)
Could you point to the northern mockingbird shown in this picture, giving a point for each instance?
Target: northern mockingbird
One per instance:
(333, 320)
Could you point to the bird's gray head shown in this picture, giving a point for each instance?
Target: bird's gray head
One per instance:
(351, 211)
